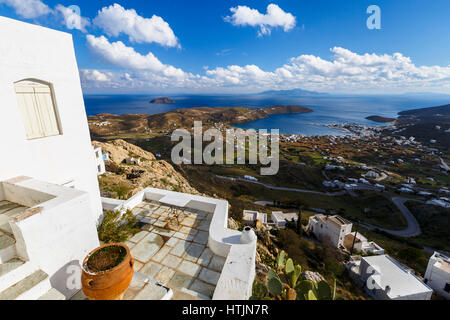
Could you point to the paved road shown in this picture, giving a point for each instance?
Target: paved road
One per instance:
(413, 229)
(269, 186)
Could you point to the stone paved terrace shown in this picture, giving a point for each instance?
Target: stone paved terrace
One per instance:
(172, 248)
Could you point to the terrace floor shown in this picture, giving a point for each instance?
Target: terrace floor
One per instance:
(172, 249)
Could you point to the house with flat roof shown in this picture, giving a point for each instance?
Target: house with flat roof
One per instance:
(437, 275)
(281, 219)
(334, 228)
(339, 231)
(250, 217)
(384, 278)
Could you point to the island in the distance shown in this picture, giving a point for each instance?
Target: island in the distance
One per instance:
(163, 100)
(381, 119)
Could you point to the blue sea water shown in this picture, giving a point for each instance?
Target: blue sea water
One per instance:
(327, 109)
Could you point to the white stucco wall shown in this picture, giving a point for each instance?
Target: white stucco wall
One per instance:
(55, 232)
(32, 52)
(99, 162)
(437, 277)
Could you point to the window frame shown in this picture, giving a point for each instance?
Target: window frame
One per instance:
(54, 105)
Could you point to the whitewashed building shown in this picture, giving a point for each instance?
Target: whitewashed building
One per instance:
(281, 219)
(250, 217)
(49, 193)
(385, 278)
(335, 228)
(339, 231)
(360, 243)
(99, 160)
(437, 275)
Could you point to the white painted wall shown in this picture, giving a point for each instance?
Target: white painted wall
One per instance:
(437, 278)
(32, 52)
(55, 232)
(99, 161)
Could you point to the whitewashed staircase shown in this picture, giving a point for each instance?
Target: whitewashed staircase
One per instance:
(19, 279)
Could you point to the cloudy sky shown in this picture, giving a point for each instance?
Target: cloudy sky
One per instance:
(229, 46)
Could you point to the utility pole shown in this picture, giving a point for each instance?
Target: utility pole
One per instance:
(354, 241)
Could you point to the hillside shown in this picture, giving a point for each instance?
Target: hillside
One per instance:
(123, 181)
(426, 115)
(114, 125)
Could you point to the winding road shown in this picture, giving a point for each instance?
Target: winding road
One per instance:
(413, 229)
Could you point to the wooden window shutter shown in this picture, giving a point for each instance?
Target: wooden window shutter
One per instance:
(37, 108)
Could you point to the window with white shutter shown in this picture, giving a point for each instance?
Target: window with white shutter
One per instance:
(35, 101)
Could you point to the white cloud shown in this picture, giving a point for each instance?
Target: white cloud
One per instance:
(118, 54)
(28, 9)
(94, 75)
(244, 76)
(346, 71)
(115, 20)
(72, 18)
(367, 71)
(275, 17)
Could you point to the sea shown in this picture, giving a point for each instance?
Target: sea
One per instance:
(327, 109)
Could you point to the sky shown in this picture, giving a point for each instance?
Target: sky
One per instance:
(239, 46)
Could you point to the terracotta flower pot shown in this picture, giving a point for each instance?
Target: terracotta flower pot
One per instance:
(110, 284)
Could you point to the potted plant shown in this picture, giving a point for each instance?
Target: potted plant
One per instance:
(107, 272)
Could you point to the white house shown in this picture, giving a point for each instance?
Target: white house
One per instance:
(386, 279)
(281, 219)
(335, 228)
(49, 194)
(360, 243)
(44, 119)
(100, 160)
(437, 275)
(133, 161)
(339, 231)
(250, 217)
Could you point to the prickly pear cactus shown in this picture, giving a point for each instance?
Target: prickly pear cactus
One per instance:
(274, 284)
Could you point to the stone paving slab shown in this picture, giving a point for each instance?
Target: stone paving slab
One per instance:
(147, 247)
(176, 254)
(209, 276)
(203, 288)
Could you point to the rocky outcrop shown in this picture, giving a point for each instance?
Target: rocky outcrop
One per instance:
(152, 172)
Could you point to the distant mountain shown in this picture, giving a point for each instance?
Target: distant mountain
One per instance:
(293, 92)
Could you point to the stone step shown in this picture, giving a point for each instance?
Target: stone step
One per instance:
(8, 210)
(14, 270)
(52, 294)
(29, 288)
(7, 247)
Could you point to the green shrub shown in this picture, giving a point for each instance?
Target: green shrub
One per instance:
(117, 227)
